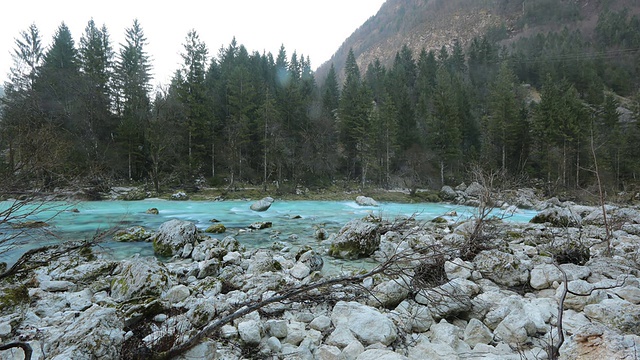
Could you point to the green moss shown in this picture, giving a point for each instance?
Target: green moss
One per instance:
(13, 296)
(216, 229)
(514, 235)
(162, 249)
(439, 220)
(277, 266)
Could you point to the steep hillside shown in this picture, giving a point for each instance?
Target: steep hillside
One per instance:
(431, 24)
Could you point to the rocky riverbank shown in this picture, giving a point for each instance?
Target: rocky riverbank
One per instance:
(444, 290)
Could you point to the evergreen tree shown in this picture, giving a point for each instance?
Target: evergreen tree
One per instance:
(443, 126)
(504, 125)
(133, 104)
(20, 108)
(96, 63)
(193, 96)
(353, 117)
(330, 93)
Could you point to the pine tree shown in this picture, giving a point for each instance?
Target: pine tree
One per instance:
(133, 104)
(96, 63)
(20, 108)
(353, 115)
(192, 94)
(330, 93)
(503, 119)
(443, 126)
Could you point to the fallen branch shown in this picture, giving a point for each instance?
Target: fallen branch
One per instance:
(24, 346)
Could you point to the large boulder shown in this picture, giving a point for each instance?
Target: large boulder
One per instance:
(447, 193)
(557, 216)
(262, 205)
(449, 299)
(356, 239)
(95, 333)
(366, 201)
(618, 314)
(174, 236)
(139, 278)
(502, 268)
(367, 324)
(474, 190)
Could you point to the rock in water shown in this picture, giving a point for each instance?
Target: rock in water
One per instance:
(262, 205)
(260, 225)
(173, 236)
(366, 201)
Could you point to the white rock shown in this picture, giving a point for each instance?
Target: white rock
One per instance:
(177, 294)
(95, 333)
(424, 349)
(366, 201)
(274, 344)
(232, 257)
(577, 302)
(160, 318)
(57, 285)
(207, 268)
(328, 352)
(295, 333)
(277, 328)
(515, 328)
(629, 293)
(417, 317)
(353, 350)
(207, 249)
(543, 275)
(312, 340)
(321, 323)
(139, 277)
(250, 332)
(502, 268)
(173, 235)
(389, 293)
(300, 270)
(341, 336)
(262, 205)
(79, 301)
(448, 299)
(379, 354)
(228, 331)
(616, 313)
(448, 334)
(366, 323)
(458, 268)
(477, 333)
(205, 350)
(5, 329)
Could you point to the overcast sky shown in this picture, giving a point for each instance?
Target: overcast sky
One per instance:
(313, 28)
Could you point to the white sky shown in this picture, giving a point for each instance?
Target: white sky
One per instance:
(313, 28)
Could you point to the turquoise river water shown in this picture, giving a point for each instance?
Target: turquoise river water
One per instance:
(294, 222)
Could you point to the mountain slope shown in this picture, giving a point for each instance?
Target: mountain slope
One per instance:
(431, 24)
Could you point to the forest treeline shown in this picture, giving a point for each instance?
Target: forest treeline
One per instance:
(546, 107)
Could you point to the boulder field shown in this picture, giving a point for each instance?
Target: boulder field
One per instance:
(433, 290)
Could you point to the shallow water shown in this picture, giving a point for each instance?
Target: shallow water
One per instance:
(294, 222)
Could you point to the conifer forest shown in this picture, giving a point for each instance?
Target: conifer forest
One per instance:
(557, 108)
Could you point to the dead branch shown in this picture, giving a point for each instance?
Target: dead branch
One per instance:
(251, 306)
(22, 345)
